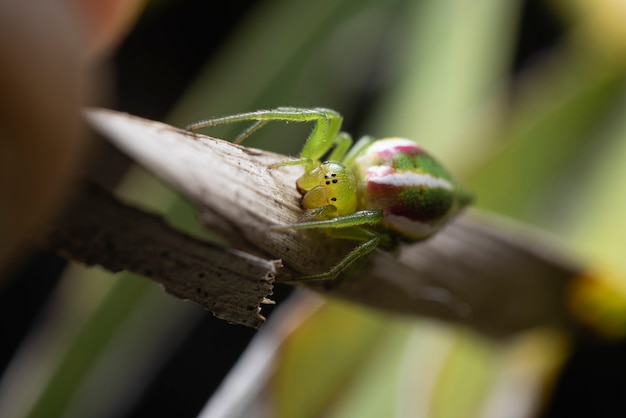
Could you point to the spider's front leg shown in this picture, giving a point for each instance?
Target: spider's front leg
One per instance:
(322, 138)
(352, 220)
(358, 253)
(352, 227)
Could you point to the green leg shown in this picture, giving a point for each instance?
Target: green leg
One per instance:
(343, 227)
(356, 219)
(313, 215)
(358, 253)
(343, 142)
(322, 138)
(287, 114)
(356, 150)
(287, 163)
(249, 131)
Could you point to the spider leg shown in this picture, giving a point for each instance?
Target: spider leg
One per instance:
(322, 137)
(356, 219)
(358, 253)
(343, 227)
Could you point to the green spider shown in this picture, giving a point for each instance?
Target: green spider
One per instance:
(379, 193)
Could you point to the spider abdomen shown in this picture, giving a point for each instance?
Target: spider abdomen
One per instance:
(415, 192)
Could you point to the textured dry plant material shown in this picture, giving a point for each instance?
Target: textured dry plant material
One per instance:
(478, 271)
(100, 230)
